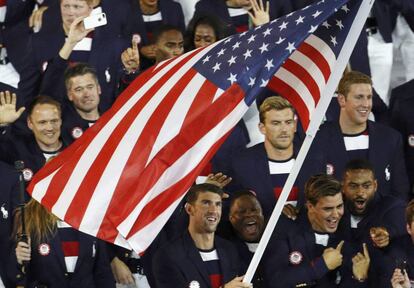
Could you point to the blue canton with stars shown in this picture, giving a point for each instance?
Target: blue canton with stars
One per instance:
(252, 57)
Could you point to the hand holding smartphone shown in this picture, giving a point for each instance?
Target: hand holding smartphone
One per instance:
(95, 20)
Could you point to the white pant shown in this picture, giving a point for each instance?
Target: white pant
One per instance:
(403, 39)
(380, 56)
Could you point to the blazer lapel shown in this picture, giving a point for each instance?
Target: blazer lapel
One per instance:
(57, 247)
(195, 258)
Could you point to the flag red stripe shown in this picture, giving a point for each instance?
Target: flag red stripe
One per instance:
(160, 203)
(68, 152)
(204, 97)
(317, 58)
(177, 147)
(143, 147)
(92, 177)
(305, 77)
(293, 97)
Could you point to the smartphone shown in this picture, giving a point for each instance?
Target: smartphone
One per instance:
(95, 20)
(401, 264)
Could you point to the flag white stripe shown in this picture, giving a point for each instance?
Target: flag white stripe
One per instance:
(98, 205)
(144, 237)
(310, 66)
(296, 83)
(100, 139)
(217, 95)
(323, 48)
(182, 166)
(178, 113)
(39, 190)
(121, 241)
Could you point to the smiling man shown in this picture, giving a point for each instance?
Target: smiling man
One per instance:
(246, 218)
(354, 136)
(44, 120)
(307, 252)
(199, 258)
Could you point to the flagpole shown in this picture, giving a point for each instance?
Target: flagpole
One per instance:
(317, 117)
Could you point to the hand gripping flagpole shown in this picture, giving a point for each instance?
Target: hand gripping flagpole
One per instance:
(317, 117)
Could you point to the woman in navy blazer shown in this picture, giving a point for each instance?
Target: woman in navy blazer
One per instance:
(57, 255)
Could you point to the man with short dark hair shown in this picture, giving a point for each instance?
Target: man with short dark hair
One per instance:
(354, 136)
(265, 167)
(369, 217)
(44, 120)
(247, 222)
(307, 252)
(199, 258)
(168, 42)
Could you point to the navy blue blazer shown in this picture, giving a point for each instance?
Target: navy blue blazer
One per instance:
(250, 170)
(292, 258)
(92, 267)
(171, 12)
(386, 211)
(400, 250)
(178, 263)
(9, 199)
(44, 47)
(115, 15)
(402, 119)
(219, 8)
(15, 31)
(15, 147)
(385, 154)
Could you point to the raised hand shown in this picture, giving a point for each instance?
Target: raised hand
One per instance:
(35, 20)
(360, 264)
(218, 179)
(259, 15)
(400, 279)
(8, 113)
(333, 257)
(130, 58)
(380, 236)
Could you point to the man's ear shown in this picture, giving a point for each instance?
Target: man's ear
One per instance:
(262, 128)
(188, 208)
(29, 123)
(341, 100)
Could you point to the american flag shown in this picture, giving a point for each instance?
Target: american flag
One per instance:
(124, 177)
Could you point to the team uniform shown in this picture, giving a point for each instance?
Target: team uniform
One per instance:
(251, 169)
(142, 26)
(384, 150)
(402, 120)
(237, 19)
(68, 259)
(385, 211)
(100, 50)
(293, 257)
(180, 264)
(25, 148)
(400, 254)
